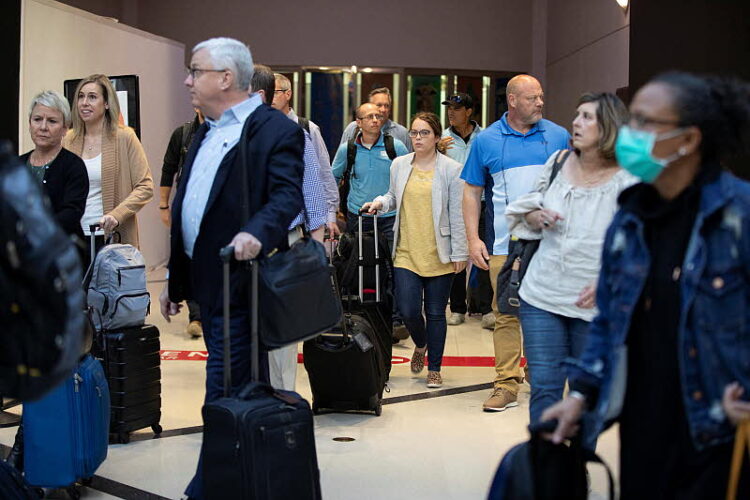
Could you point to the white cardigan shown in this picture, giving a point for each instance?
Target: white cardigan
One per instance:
(447, 213)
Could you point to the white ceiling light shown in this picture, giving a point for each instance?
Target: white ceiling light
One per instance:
(623, 4)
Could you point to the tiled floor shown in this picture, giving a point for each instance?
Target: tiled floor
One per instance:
(443, 447)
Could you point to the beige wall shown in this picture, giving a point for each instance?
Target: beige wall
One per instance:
(481, 34)
(587, 49)
(59, 42)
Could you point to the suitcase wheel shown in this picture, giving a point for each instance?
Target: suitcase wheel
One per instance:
(74, 493)
(156, 428)
(379, 409)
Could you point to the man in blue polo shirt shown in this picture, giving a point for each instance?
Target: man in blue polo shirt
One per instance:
(504, 162)
(371, 173)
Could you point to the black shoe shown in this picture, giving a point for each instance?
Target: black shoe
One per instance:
(400, 332)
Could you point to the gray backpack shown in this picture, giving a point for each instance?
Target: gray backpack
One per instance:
(117, 291)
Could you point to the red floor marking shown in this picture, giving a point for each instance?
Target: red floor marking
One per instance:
(468, 361)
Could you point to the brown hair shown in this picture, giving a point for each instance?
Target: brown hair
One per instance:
(611, 114)
(381, 90)
(111, 114)
(434, 122)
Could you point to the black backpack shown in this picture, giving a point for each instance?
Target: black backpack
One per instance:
(41, 298)
(541, 470)
(351, 156)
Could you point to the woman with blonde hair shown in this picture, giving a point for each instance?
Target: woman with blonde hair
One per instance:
(120, 182)
(429, 239)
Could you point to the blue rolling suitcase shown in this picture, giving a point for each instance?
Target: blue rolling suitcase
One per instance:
(66, 432)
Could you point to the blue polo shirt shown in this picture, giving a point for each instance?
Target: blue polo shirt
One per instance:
(507, 163)
(371, 173)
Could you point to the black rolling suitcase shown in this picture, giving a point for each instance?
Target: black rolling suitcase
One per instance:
(365, 271)
(133, 366)
(258, 444)
(131, 360)
(348, 369)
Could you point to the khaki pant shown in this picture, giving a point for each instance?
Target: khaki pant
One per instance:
(507, 338)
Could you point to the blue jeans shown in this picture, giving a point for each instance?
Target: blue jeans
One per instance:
(213, 334)
(548, 339)
(410, 288)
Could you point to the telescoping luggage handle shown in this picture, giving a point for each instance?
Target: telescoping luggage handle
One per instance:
(362, 259)
(227, 254)
(93, 228)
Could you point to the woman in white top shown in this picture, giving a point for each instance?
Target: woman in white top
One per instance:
(571, 217)
(120, 182)
(429, 239)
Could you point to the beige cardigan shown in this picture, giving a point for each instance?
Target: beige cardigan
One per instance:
(127, 184)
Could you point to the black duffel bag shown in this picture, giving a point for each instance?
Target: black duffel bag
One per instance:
(297, 294)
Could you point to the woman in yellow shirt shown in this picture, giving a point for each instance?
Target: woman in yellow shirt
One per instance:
(429, 239)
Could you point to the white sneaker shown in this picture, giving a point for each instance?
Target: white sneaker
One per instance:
(456, 319)
(488, 321)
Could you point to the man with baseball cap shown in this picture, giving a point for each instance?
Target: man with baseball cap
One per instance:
(458, 138)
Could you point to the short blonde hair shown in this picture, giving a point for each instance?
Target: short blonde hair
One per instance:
(111, 115)
(52, 100)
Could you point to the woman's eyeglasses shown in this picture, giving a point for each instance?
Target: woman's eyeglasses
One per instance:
(422, 133)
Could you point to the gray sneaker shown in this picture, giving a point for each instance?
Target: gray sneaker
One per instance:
(456, 319)
(488, 321)
(500, 400)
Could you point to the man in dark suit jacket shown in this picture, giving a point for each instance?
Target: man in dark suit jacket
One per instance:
(207, 212)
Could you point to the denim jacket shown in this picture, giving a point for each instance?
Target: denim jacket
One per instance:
(714, 330)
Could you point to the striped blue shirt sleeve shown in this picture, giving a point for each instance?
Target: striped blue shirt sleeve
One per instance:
(312, 191)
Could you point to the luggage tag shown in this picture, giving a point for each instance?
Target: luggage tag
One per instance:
(362, 341)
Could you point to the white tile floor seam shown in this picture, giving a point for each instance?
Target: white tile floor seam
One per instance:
(443, 447)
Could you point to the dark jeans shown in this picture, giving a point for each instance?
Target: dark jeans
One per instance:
(213, 334)
(548, 339)
(480, 297)
(410, 288)
(194, 311)
(458, 293)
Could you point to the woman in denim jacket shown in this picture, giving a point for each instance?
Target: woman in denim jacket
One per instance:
(669, 353)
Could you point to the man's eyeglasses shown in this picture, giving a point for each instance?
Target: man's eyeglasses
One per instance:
(372, 116)
(279, 91)
(194, 72)
(422, 133)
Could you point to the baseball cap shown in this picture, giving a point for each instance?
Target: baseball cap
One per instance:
(460, 99)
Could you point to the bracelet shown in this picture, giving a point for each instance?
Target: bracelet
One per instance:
(164, 208)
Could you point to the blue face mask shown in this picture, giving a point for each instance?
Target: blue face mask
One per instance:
(633, 150)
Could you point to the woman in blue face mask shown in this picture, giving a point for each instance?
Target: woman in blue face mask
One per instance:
(668, 356)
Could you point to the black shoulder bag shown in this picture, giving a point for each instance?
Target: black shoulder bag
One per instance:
(520, 253)
(297, 290)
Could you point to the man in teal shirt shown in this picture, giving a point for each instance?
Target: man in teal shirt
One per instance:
(371, 172)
